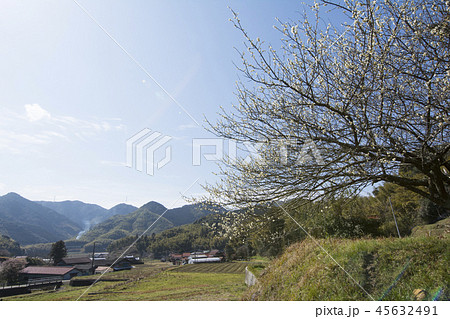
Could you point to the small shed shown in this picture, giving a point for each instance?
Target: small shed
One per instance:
(103, 269)
(122, 264)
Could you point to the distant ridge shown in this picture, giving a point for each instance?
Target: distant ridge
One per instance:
(28, 222)
(78, 212)
(122, 209)
(120, 226)
(135, 223)
(38, 222)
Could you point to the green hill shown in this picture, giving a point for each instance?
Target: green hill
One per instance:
(440, 229)
(122, 209)
(120, 226)
(9, 247)
(28, 222)
(135, 223)
(184, 238)
(188, 214)
(305, 272)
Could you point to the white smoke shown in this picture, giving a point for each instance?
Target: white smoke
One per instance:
(87, 226)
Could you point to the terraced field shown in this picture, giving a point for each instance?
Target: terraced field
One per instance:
(156, 281)
(223, 268)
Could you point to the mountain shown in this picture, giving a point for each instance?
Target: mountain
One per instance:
(122, 209)
(120, 226)
(135, 223)
(186, 214)
(204, 233)
(81, 213)
(28, 222)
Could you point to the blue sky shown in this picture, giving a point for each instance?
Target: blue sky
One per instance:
(70, 97)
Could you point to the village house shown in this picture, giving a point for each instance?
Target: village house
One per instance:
(70, 261)
(176, 259)
(124, 263)
(82, 264)
(185, 256)
(56, 272)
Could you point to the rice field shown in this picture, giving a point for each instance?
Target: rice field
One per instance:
(223, 268)
(157, 281)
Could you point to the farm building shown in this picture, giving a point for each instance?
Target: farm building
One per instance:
(71, 261)
(205, 256)
(176, 259)
(83, 264)
(186, 255)
(103, 269)
(122, 264)
(101, 255)
(204, 260)
(34, 272)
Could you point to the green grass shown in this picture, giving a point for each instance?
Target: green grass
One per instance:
(305, 272)
(260, 259)
(257, 269)
(154, 282)
(439, 229)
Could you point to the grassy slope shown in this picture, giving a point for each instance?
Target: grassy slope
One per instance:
(305, 272)
(439, 229)
(149, 282)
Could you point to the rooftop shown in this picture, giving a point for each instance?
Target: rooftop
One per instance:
(35, 270)
(76, 260)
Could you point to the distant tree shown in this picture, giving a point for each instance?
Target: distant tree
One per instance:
(142, 245)
(339, 108)
(58, 251)
(242, 252)
(229, 252)
(10, 270)
(34, 261)
(9, 247)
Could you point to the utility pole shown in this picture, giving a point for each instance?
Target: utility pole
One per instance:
(395, 220)
(92, 261)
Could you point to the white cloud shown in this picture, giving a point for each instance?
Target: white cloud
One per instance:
(36, 126)
(36, 113)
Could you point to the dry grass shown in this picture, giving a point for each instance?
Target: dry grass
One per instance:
(305, 272)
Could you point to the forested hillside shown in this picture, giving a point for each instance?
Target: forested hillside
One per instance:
(9, 247)
(200, 235)
(135, 223)
(83, 214)
(28, 222)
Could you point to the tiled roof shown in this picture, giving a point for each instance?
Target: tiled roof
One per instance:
(76, 260)
(59, 271)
